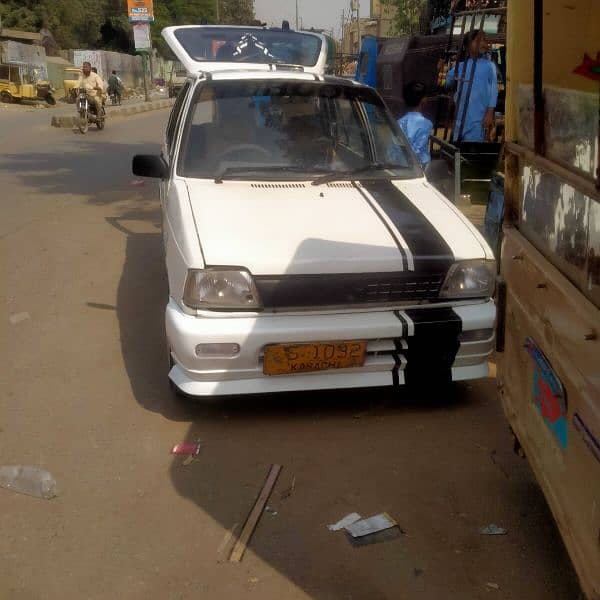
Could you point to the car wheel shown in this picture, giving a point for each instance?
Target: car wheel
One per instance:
(6, 97)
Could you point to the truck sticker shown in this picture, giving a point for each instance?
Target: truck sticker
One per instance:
(548, 394)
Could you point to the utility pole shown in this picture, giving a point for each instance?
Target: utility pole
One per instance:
(297, 17)
(218, 3)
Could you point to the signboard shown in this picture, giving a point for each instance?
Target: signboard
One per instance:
(140, 11)
(141, 36)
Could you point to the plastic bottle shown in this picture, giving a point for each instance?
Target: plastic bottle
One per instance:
(28, 480)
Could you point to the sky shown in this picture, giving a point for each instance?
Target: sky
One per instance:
(321, 14)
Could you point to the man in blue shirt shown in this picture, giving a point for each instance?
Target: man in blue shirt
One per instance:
(479, 117)
(415, 126)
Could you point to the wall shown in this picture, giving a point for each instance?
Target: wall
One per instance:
(34, 56)
(128, 67)
(56, 72)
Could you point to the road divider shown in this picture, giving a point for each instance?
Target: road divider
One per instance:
(120, 111)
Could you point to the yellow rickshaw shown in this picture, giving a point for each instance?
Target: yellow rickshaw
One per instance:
(18, 82)
(72, 75)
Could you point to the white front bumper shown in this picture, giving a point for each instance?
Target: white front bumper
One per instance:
(395, 347)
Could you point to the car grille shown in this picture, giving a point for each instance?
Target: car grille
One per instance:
(313, 291)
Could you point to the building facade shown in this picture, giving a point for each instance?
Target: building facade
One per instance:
(379, 23)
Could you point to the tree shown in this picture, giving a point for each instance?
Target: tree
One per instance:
(103, 23)
(407, 17)
(237, 12)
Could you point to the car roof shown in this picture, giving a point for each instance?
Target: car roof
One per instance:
(278, 74)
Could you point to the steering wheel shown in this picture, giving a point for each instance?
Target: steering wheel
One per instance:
(245, 147)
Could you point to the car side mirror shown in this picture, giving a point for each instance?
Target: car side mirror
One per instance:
(149, 165)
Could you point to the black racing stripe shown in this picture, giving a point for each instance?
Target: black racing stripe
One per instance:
(432, 350)
(404, 323)
(395, 370)
(429, 248)
(390, 230)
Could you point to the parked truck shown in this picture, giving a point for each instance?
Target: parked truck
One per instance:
(549, 304)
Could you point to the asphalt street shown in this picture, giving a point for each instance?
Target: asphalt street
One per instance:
(84, 394)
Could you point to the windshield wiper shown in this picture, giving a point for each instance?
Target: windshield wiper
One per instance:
(337, 175)
(222, 173)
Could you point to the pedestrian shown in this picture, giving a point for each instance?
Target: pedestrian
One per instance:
(481, 101)
(415, 125)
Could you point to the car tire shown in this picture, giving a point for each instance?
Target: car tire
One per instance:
(6, 98)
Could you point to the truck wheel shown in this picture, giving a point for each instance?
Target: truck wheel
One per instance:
(6, 97)
(50, 99)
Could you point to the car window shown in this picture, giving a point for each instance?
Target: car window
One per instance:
(287, 130)
(237, 44)
(387, 137)
(173, 118)
(351, 134)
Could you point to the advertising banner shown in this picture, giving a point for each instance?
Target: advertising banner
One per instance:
(141, 36)
(140, 11)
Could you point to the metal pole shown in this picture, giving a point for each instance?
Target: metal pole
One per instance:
(358, 23)
(218, 3)
(457, 176)
(145, 67)
(538, 77)
(297, 17)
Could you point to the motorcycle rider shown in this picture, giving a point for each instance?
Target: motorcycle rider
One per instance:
(94, 86)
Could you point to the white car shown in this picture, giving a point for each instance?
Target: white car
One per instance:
(304, 248)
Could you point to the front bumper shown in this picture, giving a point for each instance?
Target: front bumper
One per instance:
(407, 346)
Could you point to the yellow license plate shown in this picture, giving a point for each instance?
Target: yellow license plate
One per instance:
(283, 359)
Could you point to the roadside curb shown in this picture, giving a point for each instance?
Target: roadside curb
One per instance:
(124, 111)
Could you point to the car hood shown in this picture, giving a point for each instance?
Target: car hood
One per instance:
(343, 227)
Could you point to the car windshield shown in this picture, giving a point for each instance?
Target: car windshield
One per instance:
(236, 44)
(290, 130)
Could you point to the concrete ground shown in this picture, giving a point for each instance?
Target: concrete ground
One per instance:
(84, 395)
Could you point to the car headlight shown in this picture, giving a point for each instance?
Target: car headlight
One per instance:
(470, 279)
(221, 289)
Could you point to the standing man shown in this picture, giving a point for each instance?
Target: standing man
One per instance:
(481, 103)
(93, 84)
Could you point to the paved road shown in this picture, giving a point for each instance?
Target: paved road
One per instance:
(84, 394)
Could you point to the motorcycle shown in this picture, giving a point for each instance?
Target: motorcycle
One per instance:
(115, 96)
(87, 112)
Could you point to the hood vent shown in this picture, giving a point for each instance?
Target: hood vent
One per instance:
(278, 185)
(344, 184)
